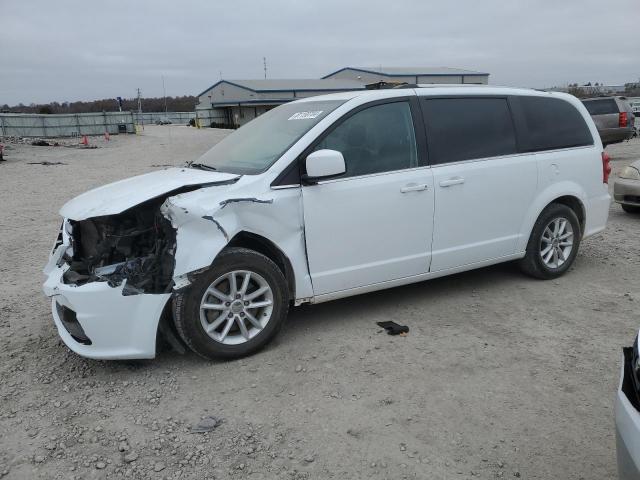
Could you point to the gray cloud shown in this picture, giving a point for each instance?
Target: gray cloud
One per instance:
(72, 50)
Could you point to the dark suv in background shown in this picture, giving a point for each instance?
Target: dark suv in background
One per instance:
(613, 117)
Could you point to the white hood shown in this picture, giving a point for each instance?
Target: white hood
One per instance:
(119, 196)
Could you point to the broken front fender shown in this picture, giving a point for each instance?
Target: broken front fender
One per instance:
(207, 220)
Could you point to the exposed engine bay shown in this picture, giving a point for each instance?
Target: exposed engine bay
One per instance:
(137, 245)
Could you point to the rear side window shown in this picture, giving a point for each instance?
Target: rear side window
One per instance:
(601, 107)
(552, 123)
(467, 128)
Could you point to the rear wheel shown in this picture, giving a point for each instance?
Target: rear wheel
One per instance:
(235, 308)
(553, 244)
(630, 208)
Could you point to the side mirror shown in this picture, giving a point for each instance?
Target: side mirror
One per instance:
(323, 164)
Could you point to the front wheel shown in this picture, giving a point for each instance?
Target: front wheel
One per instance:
(235, 308)
(553, 244)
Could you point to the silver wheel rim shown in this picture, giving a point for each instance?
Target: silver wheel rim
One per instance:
(556, 242)
(236, 307)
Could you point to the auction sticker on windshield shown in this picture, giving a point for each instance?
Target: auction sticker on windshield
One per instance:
(305, 115)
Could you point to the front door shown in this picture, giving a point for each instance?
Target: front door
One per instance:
(374, 223)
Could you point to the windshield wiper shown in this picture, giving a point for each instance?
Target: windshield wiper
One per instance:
(202, 166)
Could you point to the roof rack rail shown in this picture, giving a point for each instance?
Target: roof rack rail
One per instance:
(384, 85)
(407, 85)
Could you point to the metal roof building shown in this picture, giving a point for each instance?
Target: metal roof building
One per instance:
(235, 102)
(369, 75)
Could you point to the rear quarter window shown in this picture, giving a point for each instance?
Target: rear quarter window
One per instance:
(552, 123)
(601, 107)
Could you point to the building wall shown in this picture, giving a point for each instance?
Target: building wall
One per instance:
(245, 114)
(239, 115)
(481, 79)
(206, 116)
(225, 92)
(231, 114)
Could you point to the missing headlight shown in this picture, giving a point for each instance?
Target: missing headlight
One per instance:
(136, 246)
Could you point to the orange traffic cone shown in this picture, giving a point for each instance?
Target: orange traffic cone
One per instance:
(85, 140)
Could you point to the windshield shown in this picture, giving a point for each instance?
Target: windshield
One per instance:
(257, 145)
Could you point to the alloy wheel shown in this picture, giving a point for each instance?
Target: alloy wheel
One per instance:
(556, 242)
(236, 307)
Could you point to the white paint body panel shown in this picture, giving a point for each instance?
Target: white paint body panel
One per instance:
(364, 230)
(199, 241)
(325, 163)
(120, 327)
(408, 280)
(479, 208)
(117, 197)
(342, 237)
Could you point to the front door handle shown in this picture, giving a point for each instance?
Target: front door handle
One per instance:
(413, 187)
(452, 181)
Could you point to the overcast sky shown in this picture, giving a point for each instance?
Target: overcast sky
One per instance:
(82, 50)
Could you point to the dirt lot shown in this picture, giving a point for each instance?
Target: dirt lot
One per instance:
(501, 376)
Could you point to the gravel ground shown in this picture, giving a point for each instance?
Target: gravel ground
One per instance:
(501, 376)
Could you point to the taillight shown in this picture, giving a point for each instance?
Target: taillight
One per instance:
(606, 167)
(623, 121)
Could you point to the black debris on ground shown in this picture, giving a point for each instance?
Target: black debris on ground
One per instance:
(46, 163)
(393, 328)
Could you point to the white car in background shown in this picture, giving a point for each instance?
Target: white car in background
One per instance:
(635, 106)
(325, 198)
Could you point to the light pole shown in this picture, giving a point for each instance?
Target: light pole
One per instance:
(164, 94)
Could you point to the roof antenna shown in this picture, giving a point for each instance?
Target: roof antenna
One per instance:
(264, 62)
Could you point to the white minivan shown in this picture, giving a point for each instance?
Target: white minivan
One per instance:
(323, 198)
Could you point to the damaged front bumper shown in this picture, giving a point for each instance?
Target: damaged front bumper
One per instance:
(96, 320)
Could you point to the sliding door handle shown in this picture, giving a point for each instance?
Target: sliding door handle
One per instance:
(452, 181)
(412, 187)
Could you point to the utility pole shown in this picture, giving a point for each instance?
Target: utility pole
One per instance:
(264, 61)
(140, 118)
(164, 93)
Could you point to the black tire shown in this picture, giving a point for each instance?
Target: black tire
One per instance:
(186, 305)
(532, 264)
(630, 208)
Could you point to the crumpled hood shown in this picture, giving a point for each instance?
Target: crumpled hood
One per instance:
(117, 197)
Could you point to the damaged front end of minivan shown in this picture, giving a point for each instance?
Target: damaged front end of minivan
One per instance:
(135, 249)
(126, 249)
(111, 273)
